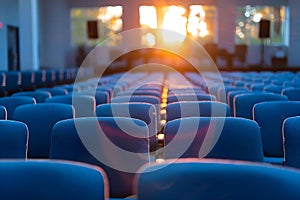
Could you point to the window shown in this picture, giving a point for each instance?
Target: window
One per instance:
(247, 24)
(104, 22)
(198, 22)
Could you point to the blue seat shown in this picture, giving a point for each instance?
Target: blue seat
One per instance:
(101, 97)
(13, 140)
(230, 97)
(84, 105)
(142, 111)
(291, 141)
(143, 99)
(243, 103)
(217, 137)
(190, 97)
(28, 79)
(270, 117)
(196, 109)
(3, 113)
(13, 82)
(54, 91)
(40, 119)
(11, 103)
(118, 145)
(273, 88)
(216, 179)
(293, 94)
(48, 180)
(39, 96)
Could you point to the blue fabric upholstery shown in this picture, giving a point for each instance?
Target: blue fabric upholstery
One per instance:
(143, 111)
(118, 145)
(213, 179)
(3, 113)
(270, 117)
(243, 103)
(291, 139)
(190, 97)
(40, 118)
(101, 97)
(54, 91)
(196, 109)
(84, 105)
(11, 103)
(293, 94)
(48, 180)
(219, 137)
(230, 97)
(39, 96)
(13, 139)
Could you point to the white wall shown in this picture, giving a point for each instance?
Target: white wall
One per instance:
(9, 15)
(55, 35)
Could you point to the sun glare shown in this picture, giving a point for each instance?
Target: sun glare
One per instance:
(174, 22)
(197, 26)
(148, 17)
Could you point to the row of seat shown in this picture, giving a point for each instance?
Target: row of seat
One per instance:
(191, 126)
(14, 81)
(181, 179)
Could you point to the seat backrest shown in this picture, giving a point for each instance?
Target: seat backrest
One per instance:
(54, 91)
(243, 103)
(293, 94)
(118, 145)
(46, 179)
(3, 113)
(270, 117)
(273, 88)
(84, 105)
(217, 137)
(13, 139)
(101, 97)
(291, 141)
(142, 111)
(213, 179)
(190, 97)
(196, 109)
(40, 119)
(230, 97)
(39, 96)
(11, 103)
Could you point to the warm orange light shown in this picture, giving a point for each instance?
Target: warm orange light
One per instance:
(197, 26)
(148, 17)
(175, 24)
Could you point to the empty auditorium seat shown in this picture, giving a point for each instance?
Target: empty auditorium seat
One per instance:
(216, 179)
(293, 94)
(39, 96)
(196, 109)
(84, 105)
(190, 97)
(13, 82)
(143, 111)
(118, 145)
(270, 117)
(11, 103)
(217, 137)
(13, 140)
(291, 141)
(40, 118)
(243, 103)
(54, 91)
(48, 180)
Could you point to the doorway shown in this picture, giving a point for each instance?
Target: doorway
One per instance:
(13, 48)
